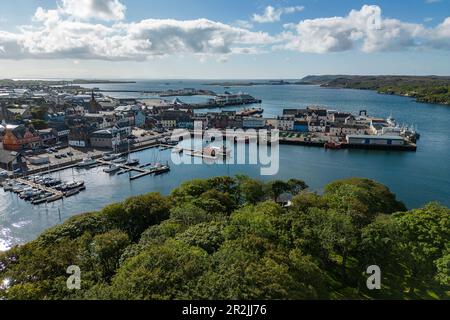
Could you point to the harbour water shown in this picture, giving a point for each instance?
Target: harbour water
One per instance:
(416, 177)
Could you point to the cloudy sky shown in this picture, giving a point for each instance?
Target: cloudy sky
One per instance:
(245, 39)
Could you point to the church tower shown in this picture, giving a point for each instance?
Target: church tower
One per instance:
(94, 107)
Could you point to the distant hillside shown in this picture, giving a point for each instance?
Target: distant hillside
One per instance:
(430, 89)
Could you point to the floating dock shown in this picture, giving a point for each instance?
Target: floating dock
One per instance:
(142, 172)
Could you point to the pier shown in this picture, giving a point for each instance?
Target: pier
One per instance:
(40, 187)
(142, 172)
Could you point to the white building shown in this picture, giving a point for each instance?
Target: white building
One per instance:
(286, 123)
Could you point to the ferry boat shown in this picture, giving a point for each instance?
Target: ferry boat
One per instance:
(111, 169)
(87, 162)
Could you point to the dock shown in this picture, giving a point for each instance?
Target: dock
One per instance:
(142, 172)
(196, 153)
(40, 187)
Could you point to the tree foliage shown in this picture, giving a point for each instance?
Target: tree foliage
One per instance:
(227, 238)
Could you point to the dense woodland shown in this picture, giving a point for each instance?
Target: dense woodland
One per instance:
(430, 89)
(227, 238)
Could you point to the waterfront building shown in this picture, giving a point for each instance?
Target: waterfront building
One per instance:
(376, 140)
(301, 126)
(339, 117)
(286, 123)
(60, 131)
(346, 129)
(20, 137)
(109, 138)
(12, 160)
(47, 136)
(253, 122)
(317, 126)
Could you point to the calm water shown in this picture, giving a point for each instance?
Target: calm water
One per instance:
(416, 178)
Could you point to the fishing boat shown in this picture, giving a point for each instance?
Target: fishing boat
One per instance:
(87, 162)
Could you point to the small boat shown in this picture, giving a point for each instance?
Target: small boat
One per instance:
(111, 169)
(73, 185)
(120, 160)
(8, 185)
(52, 182)
(88, 162)
(72, 192)
(42, 198)
(132, 162)
(332, 145)
(160, 169)
(18, 188)
(54, 198)
(39, 201)
(111, 157)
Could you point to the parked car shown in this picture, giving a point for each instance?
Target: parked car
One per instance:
(4, 174)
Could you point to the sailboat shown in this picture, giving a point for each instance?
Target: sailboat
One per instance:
(131, 162)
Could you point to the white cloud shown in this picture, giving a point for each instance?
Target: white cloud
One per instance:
(56, 37)
(243, 24)
(94, 9)
(365, 30)
(272, 14)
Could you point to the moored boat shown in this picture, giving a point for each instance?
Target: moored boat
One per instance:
(132, 162)
(87, 162)
(111, 169)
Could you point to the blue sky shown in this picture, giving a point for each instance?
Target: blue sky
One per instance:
(222, 39)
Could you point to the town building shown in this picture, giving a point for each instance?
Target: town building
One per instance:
(286, 123)
(109, 138)
(253, 123)
(12, 160)
(20, 137)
